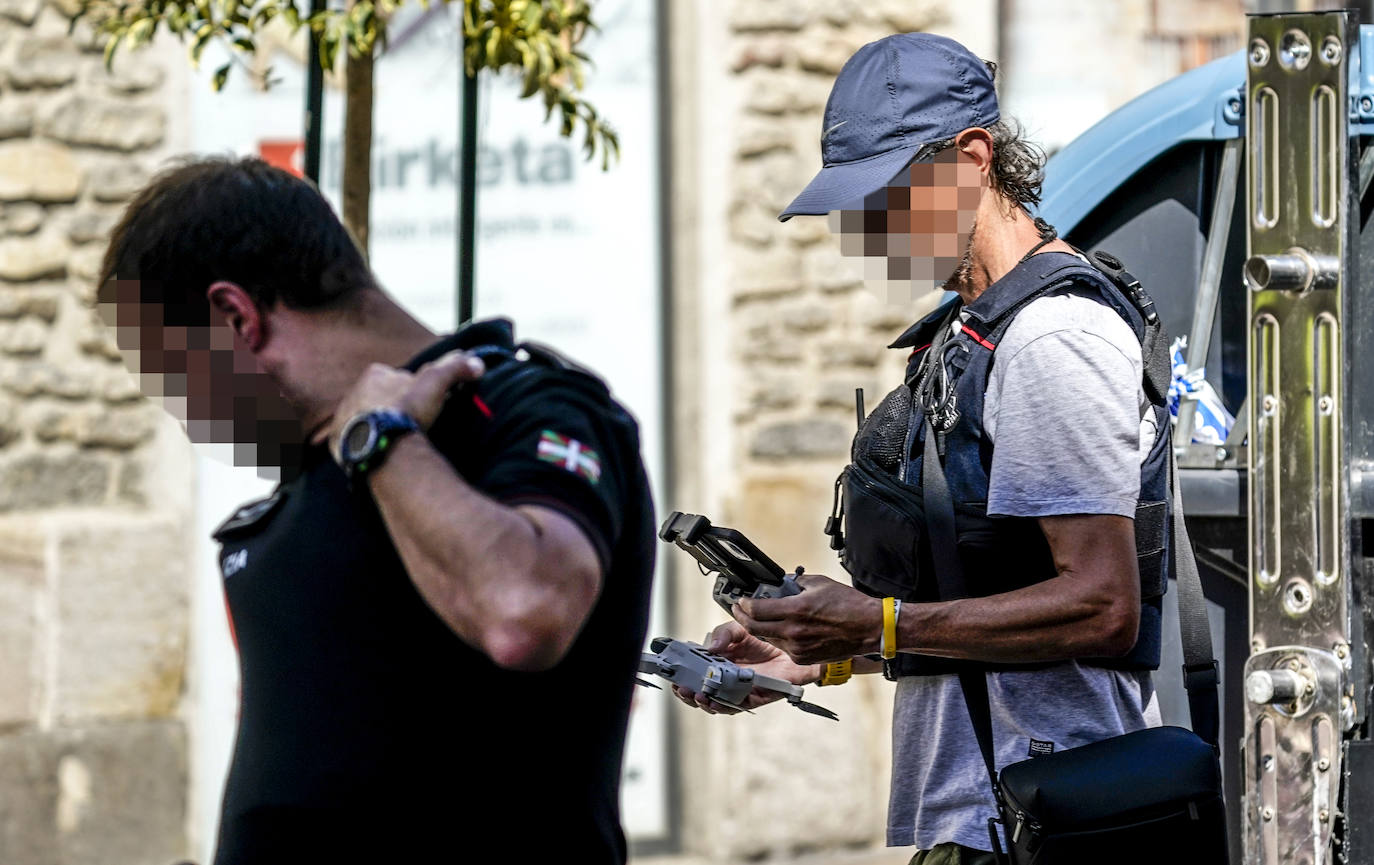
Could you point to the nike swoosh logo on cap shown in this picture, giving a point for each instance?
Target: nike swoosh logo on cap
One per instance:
(826, 133)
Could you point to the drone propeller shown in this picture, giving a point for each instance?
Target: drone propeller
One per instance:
(639, 681)
(813, 709)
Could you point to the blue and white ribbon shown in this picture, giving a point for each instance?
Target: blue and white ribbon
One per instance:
(1211, 421)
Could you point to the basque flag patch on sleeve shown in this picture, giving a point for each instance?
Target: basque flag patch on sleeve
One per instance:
(570, 454)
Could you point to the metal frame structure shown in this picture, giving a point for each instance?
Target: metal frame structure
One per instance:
(1300, 679)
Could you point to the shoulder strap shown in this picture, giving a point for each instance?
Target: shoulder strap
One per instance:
(1200, 676)
(1029, 278)
(1154, 343)
(949, 574)
(1107, 272)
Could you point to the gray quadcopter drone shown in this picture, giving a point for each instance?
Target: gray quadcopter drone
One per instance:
(691, 666)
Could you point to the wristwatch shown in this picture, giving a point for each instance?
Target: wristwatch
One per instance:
(368, 436)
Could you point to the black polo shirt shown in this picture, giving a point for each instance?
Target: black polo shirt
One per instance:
(368, 730)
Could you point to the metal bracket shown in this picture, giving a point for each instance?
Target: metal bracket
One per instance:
(1301, 196)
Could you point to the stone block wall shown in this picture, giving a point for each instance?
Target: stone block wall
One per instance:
(94, 480)
(806, 331)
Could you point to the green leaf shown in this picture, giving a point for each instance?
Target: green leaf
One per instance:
(329, 50)
(546, 64)
(531, 16)
(531, 64)
(141, 31)
(221, 75)
(293, 17)
(202, 37)
(110, 46)
(244, 44)
(493, 44)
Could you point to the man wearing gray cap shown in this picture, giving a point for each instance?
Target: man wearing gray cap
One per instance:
(1027, 391)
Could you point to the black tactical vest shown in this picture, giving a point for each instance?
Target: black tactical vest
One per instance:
(879, 521)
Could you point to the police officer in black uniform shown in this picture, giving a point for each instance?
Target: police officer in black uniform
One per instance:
(463, 539)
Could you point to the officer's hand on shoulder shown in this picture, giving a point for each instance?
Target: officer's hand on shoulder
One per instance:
(828, 621)
(420, 394)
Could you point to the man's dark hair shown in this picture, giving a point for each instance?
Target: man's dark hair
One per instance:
(1018, 164)
(239, 220)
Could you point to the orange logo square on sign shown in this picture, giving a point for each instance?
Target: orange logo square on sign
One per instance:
(286, 155)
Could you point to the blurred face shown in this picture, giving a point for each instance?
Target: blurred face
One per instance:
(916, 232)
(208, 381)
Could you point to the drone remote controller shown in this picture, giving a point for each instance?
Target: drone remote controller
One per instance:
(742, 569)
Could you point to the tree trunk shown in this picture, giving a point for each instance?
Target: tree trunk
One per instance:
(357, 146)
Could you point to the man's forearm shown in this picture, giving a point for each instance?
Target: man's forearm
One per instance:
(1048, 621)
(491, 572)
(1091, 609)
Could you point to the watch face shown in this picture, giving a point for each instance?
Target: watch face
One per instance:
(357, 438)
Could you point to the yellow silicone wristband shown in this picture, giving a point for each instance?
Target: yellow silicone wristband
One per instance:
(837, 672)
(889, 646)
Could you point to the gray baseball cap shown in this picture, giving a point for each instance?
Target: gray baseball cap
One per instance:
(893, 97)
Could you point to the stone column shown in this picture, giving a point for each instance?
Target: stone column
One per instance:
(94, 480)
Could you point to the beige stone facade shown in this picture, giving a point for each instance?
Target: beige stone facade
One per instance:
(94, 483)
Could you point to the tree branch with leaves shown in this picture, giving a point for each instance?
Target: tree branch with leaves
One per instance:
(537, 39)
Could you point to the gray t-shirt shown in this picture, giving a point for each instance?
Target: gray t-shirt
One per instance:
(1064, 410)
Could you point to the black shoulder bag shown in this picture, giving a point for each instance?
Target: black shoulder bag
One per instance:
(1149, 796)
